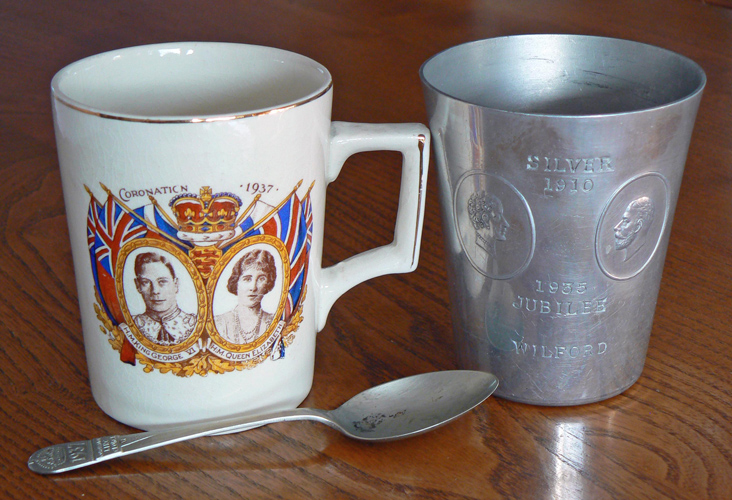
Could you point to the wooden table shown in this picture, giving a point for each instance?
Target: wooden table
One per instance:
(668, 436)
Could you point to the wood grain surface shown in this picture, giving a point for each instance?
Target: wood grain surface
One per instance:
(667, 437)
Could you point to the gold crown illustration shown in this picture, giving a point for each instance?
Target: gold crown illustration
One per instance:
(206, 212)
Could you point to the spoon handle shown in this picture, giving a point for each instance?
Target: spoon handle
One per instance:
(68, 456)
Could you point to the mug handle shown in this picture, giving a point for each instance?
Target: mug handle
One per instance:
(402, 254)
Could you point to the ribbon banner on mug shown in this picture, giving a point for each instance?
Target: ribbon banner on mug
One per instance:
(204, 285)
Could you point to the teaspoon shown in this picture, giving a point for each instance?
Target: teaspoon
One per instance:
(398, 409)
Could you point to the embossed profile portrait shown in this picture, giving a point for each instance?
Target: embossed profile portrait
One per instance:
(486, 214)
(631, 226)
(494, 225)
(162, 321)
(630, 231)
(253, 277)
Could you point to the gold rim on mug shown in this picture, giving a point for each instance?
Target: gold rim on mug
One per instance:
(321, 88)
(212, 119)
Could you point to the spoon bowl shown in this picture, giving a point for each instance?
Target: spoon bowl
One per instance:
(412, 405)
(394, 410)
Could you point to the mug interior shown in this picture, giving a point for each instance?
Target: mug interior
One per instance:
(189, 81)
(562, 75)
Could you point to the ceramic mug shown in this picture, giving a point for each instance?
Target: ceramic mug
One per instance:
(194, 178)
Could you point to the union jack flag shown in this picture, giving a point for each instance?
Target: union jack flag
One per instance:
(91, 235)
(91, 226)
(113, 226)
(300, 256)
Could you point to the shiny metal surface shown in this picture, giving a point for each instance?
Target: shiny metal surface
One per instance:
(559, 162)
(394, 410)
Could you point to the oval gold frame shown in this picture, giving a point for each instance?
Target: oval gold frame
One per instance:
(213, 280)
(201, 298)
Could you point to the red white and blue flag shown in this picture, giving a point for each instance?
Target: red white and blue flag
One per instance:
(112, 225)
(109, 227)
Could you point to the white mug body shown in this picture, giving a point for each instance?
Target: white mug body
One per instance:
(194, 178)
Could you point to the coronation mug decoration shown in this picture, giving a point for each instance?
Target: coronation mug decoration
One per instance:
(194, 179)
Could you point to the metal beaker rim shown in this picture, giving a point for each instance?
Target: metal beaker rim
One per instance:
(569, 76)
